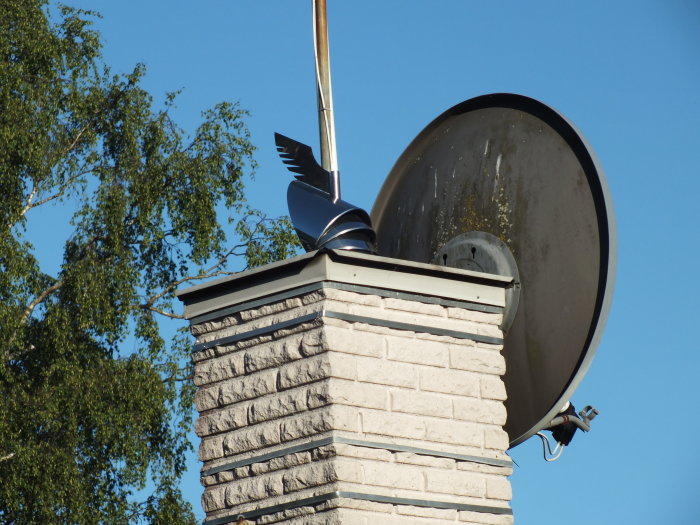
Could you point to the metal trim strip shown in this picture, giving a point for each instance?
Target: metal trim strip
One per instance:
(355, 442)
(377, 498)
(424, 451)
(303, 447)
(349, 318)
(258, 331)
(414, 327)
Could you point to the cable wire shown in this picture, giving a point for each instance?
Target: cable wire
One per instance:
(328, 125)
(547, 447)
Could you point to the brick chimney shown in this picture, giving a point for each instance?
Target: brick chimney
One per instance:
(343, 388)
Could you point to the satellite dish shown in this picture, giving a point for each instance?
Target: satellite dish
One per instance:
(499, 180)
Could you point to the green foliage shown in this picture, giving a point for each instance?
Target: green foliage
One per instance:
(94, 402)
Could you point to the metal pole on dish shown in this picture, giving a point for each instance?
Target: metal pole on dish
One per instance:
(329, 156)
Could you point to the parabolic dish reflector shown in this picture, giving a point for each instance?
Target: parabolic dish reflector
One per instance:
(516, 170)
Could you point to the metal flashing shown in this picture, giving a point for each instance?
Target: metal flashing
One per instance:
(349, 268)
(357, 288)
(377, 498)
(330, 440)
(374, 321)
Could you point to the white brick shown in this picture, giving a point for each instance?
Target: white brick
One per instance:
(306, 424)
(496, 438)
(419, 351)
(476, 359)
(486, 469)
(377, 454)
(248, 387)
(341, 339)
(498, 488)
(282, 404)
(307, 476)
(455, 482)
(251, 438)
(454, 432)
(220, 421)
(304, 371)
(218, 369)
(395, 425)
(345, 418)
(414, 306)
(342, 366)
(480, 411)
(414, 402)
(492, 387)
(210, 448)
(289, 517)
(281, 463)
(203, 355)
(213, 499)
(272, 355)
(252, 489)
(269, 309)
(349, 470)
(387, 373)
(358, 394)
(391, 475)
(352, 297)
(312, 342)
(457, 382)
(425, 461)
(474, 315)
(206, 398)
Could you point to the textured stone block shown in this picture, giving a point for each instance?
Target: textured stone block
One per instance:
(422, 403)
(492, 387)
(418, 351)
(480, 411)
(403, 305)
(474, 316)
(496, 438)
(358, 394)
(337, 339)
(498, 488)
(454, 432)
(388, 373)
(455, 482)
(457, 382)
(393, 425)
(477, 359)
(248, 387)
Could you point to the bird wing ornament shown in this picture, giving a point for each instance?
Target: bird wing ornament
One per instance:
(320, 218)
(299, 159)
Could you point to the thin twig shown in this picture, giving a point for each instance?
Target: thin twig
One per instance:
(161, 312)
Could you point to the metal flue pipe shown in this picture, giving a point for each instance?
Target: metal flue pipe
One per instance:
(329, 157)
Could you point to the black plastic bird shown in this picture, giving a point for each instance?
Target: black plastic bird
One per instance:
(320, 218)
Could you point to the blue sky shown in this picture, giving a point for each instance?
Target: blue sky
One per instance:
(627, 73)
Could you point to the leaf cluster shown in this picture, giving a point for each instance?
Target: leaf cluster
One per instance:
(95, 403)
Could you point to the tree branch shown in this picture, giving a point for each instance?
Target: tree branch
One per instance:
(206, 274)
(8, 456)
(39, 299)
(62, 189)
(152, 308)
